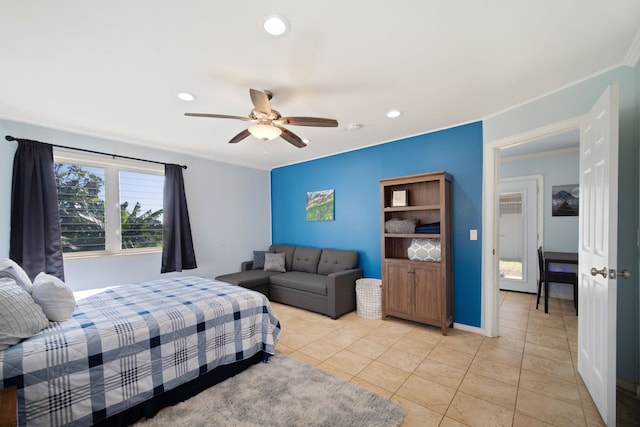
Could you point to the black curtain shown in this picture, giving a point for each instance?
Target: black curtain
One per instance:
(177, 244)
(36, 240)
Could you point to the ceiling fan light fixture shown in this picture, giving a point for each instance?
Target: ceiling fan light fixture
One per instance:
(265, 132)
(267, 121)
(275, 25)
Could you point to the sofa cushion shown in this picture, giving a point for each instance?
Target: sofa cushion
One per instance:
(288, 254)
(306, 259)
(247, 279)
(333, 261)
(274, 262)
(307, 282)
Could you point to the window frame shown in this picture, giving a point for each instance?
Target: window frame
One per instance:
(112, 168)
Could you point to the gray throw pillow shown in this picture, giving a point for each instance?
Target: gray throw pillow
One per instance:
(20, 316)
(11, 270)
(258, 259)
(274, 262)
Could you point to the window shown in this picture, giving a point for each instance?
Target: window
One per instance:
(108, 206)
(81, 207)
(140, 210)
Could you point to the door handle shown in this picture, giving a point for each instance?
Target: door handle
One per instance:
(595, 272)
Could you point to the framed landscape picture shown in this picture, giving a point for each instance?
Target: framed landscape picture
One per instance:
(320, 205)
(565, 200)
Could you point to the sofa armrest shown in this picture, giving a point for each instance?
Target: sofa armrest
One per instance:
(246, 265)
(341, 292)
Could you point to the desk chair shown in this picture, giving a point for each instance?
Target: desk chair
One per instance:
(547, 277)
(540, 274)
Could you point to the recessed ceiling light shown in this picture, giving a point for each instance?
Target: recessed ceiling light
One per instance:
(186, 96)
(306, 140)
(275, 25)
(393, 113)
(354, 126)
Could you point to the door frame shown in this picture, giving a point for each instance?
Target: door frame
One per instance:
(490, 205)
(539, 179)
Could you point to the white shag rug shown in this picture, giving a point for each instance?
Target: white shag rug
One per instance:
(282, 392)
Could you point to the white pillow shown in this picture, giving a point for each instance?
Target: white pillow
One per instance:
(10, 269)
(20, 316)
(55, 298)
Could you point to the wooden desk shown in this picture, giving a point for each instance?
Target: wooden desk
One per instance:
(559, 276)
(8, 407)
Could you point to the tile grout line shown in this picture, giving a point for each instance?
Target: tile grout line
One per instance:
(515, 406)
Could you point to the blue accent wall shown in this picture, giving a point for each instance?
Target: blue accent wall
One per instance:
(355, 178)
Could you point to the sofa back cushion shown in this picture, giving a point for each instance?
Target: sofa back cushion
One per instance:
(305, 259)
(288, 254)
(333, 261)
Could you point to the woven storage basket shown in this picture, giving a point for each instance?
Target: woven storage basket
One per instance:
(369, 298)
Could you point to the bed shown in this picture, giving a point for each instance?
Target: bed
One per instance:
(129, 350)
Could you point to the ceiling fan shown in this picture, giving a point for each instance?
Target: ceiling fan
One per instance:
(268, 122)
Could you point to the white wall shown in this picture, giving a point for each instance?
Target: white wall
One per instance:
(560, 232)
(229, 210)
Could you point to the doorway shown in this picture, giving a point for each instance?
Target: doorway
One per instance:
(492, 161)
(519, 233)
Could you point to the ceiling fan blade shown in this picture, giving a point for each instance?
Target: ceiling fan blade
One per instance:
(260, 100)
(218, 116)
(291, 137)
(309, 121)
(239, 137)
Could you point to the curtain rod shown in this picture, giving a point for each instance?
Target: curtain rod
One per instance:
(11, 138)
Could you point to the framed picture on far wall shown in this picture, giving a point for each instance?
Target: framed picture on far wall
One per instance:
(320, 205)
(565, 200)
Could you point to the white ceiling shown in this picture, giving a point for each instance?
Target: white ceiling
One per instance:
(113, 68)
(550, 144)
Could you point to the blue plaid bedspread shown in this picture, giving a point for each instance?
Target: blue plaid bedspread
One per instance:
(130, 343)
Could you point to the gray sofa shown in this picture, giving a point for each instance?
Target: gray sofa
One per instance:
(319, 280)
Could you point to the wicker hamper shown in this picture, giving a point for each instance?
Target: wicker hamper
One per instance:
(369, 298)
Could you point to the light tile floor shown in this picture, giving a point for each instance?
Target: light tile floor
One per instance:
(526, 377)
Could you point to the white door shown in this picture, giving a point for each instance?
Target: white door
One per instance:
(518, 235)
(598, 252)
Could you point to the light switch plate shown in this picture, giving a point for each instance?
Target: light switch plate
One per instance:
(473, 234)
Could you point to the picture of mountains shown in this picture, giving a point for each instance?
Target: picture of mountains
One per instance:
(320, 205)
(565, 200)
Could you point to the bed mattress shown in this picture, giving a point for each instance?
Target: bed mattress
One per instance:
(129, 343)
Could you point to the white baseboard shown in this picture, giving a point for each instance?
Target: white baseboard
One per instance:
(468, 328)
